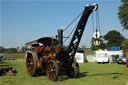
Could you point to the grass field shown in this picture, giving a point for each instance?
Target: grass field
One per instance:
(90, 74)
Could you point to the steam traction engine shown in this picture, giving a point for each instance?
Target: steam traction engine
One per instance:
(49, 56)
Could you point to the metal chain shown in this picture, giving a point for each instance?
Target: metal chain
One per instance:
(98, 21)
(92, 23)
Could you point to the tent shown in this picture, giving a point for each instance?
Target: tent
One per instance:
(108, 56)
(113, 55)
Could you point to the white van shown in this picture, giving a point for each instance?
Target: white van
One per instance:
(102, 57)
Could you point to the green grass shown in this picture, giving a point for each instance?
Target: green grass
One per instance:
(90, 74)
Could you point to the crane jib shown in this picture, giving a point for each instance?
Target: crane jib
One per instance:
(78, 33)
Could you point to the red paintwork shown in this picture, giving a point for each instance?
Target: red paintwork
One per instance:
(47, 49)
(41, 49)
(39, 63)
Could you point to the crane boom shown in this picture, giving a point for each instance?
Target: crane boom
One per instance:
(78, 33)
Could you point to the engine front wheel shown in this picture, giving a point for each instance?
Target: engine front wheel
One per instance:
(31, 63)
(52, 70)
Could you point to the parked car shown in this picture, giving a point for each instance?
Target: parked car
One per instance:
(122, 59)
(10, 58)
(1, 57)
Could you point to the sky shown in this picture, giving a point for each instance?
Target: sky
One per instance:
(22, 21)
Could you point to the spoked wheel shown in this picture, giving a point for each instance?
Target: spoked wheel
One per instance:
(52, 70)
(73, 71)
(31, 63)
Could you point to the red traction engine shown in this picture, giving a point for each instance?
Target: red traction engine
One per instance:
(49, 56)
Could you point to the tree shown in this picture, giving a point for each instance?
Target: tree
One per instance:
(12, 50)
(2, 49)
(125, 45)
(114, 38)
(123, 14)
(24, 49)
(101, 46)
(83, 46)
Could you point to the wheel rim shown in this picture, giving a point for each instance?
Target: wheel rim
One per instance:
(51, 71)
(73, 69)
(30, 64)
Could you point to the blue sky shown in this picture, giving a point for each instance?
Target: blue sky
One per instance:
(23, 21)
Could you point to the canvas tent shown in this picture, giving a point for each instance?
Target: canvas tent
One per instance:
(102, 56)
(108, 56)
(113, 55)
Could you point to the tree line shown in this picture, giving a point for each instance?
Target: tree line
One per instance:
(14, 50)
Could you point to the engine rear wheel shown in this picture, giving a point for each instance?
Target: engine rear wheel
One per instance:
(31, 63)
(52, 70)
(73, 71)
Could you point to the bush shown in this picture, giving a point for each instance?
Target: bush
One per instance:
(125, 45)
